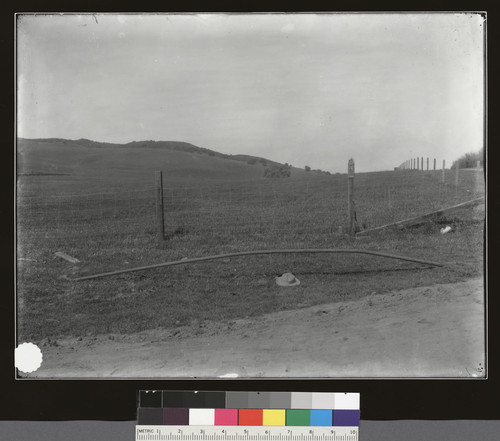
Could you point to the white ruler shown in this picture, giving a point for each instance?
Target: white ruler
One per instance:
(246, 433)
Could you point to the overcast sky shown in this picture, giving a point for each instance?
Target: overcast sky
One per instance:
(304, 89)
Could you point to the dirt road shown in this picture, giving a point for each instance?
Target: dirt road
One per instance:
(435, 331)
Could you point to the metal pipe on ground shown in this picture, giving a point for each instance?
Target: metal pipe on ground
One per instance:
(252, 253)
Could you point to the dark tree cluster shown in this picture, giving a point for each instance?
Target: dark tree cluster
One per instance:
(278, 171)
(469, 160)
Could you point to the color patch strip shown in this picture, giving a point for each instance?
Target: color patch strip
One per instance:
(273, 417)
(208, 408)
(226, 417)
(249, 400)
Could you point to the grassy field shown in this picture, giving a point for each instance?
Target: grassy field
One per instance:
(97, 204)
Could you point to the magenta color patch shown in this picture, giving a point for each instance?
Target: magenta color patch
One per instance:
(226, 417)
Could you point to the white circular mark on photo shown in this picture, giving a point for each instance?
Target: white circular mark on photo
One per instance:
(27, 357)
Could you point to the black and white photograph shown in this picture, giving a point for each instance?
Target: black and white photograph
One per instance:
(259, 195)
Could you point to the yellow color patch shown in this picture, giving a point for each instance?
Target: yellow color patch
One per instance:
(273, 417)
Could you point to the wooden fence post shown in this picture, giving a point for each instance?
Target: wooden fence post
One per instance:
(350, 197)
(442, 175)
(434, 164)
(159, 206)
(422, 163)
(427, 163)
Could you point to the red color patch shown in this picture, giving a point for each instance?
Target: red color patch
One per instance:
(250, 417)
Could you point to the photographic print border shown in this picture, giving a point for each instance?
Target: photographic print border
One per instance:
(112, 399)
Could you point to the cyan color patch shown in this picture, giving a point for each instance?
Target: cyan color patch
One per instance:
(321, 417)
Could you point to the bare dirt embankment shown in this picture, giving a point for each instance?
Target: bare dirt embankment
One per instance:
(435, 331)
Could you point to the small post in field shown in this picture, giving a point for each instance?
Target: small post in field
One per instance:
(422, 163)
(434, 164)
(427, 163)
(350, 197)
(442, 175)
(159, 206)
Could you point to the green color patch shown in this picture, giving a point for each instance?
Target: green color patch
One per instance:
(298, 417)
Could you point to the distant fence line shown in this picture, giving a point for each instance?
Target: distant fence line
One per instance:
(417, 163)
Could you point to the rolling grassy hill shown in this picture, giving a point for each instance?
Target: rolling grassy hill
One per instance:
(134, 162)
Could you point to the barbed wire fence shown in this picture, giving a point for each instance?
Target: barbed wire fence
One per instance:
(256, 214)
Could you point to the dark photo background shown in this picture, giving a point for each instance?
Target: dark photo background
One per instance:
(115, 399)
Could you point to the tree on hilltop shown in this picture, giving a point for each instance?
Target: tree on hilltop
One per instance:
(469, 160)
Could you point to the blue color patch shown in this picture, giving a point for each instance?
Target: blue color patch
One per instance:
(346, 417)
(321, 417)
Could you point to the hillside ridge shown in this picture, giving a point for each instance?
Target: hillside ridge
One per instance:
(167, 145)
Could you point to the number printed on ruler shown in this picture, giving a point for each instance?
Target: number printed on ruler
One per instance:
(246, 433)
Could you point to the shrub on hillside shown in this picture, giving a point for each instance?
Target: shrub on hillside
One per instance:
(277, 171)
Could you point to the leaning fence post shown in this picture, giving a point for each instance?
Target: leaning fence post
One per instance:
(159, 205)
(350, 196)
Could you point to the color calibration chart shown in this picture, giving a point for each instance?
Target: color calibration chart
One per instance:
(247, 416)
